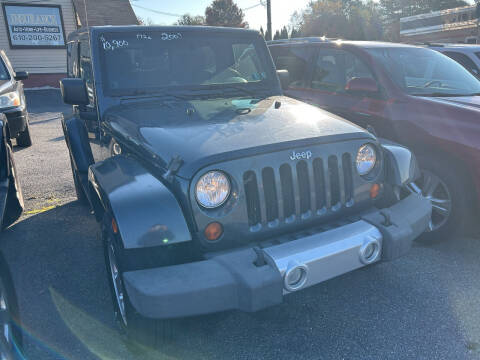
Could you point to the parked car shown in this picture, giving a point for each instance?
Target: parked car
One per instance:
(11, 198)
(12, 102)
(411, 95)
(467, 55)
(213, 191)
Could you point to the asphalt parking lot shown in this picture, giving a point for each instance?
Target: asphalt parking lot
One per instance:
(423, 306)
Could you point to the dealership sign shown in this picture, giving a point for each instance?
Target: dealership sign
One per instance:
(34, 26)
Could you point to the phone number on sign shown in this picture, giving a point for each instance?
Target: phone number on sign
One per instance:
(36, 37)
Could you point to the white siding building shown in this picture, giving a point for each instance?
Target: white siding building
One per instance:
(30, 35)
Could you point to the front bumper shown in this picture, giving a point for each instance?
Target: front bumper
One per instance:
(234, 280)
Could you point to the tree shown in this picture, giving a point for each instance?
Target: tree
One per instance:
(294, 33)
(225, 13)
(187, 19)
(143, 21)
(345, 19)
(281, 34)
(324, 17)
(267, 35)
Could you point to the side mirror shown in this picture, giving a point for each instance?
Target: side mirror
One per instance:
(362, 86)
(74, 91)
(21, 75)
(284, 78)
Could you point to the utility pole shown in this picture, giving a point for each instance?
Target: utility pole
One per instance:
(269, 20)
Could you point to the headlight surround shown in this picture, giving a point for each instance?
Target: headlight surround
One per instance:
(212, 189)
(9, 99)
(366, 159)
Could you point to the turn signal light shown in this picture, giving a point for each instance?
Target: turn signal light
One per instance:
(374, 191)
(114, 226)
(213, 231)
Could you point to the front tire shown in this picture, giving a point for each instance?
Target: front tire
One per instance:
(447, 189)
(24, 139)
(142, 332)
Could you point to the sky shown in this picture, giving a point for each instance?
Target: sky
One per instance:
(256, 17)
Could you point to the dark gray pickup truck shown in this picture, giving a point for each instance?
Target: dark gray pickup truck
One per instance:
(212, 190)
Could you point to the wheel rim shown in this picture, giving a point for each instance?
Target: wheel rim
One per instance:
(431, 187)
(6, 340)
(117, 283)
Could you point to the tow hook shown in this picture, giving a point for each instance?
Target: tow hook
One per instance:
(387, 220)
(260, 260)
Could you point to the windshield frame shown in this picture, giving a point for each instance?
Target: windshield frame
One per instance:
(269, 84)
(378, 58)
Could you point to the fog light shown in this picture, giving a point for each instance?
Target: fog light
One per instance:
(370, 251)
(374, 191)
(213, 231)
(295, 277)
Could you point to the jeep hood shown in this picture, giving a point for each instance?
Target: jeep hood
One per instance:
(204, 132)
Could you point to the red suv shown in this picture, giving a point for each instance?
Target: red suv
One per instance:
(411, 95)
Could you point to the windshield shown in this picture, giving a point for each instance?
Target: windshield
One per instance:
(425, 72)
(150, 61)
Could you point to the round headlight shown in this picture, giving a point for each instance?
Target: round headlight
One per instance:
(212, 189)
(366, 159)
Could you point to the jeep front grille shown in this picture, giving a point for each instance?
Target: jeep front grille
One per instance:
(298, 190)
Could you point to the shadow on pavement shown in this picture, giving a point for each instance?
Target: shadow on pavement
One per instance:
(49, 100)
(425, 305)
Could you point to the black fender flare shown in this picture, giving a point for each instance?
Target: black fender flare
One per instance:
(76, 138)
(11, 198)
(4, 171)
(146, 212)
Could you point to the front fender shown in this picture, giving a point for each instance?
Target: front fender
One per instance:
(146, 212)
(11, 199)
(4, 181)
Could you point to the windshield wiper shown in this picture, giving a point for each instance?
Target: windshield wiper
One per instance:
(147, 94)
(247, 92)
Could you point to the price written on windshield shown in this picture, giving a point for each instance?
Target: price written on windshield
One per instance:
(171, 36)
(143, 37)
(113, 44)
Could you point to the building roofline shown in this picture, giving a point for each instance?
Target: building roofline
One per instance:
(438, 13)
